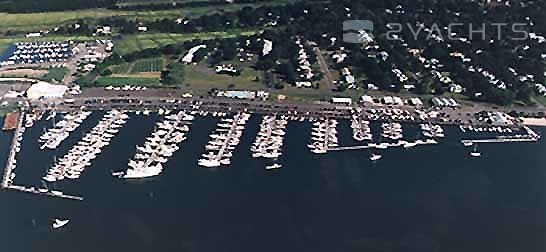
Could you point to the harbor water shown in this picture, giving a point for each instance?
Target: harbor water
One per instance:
(426, 198)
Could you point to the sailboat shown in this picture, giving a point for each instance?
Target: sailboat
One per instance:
(475, 152)
(375, 157)
(59, 223)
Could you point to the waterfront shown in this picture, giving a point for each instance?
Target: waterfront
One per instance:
(427, 198)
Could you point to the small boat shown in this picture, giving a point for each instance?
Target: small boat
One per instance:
(59, 223)
(475, 152)
(118, 174)
(273, 166)
(375, 157)
(467, 143)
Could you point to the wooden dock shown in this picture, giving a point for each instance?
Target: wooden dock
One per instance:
(11, 120)
(11, 156)
(6, 180)
(33, 190)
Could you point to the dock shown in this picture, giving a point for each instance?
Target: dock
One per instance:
(33, 190)
(531, 136)
(8, 170)
(12, 151)
(501, 140)
(10, 122)
(387, 145)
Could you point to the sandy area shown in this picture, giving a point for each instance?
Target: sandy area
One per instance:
(27, 73)
(534, 121)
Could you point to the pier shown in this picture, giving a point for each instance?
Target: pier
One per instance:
(8, 170)
(385, 145)
(33, 190)
(531, 136)
(6, 178)
(232, 133)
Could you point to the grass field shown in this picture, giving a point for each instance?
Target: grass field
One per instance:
(148, 65)
(121, 68)
(27, 22)
(134, 43)
(56, 74)
(199, 79)
(144, 68)
(121, 81)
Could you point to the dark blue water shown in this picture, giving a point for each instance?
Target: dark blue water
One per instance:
(5, 54)
(430, 198)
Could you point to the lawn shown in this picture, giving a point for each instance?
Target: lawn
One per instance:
(122, 81)
(27, 22)
(121, 68)
(56, 74)
(148, 65)
(200, 79)
(134, 43)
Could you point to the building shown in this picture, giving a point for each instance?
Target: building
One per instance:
(342, 100)
(366, 99)
(237, 94)
(45, 90)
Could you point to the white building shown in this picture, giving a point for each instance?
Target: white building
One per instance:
(342, 100)
(46, 90)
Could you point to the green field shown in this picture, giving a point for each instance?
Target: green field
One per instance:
(199, 79)
(121, 68)
(55, 74)
(27, 22)
(134, 43)
(122, 81)
(148, 65)
(152, 65)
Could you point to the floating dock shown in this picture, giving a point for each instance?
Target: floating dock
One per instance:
(385, 145)
(530, 137)
(6, 183)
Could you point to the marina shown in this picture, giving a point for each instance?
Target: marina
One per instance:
(62, 129)
(323, 136)
(269, 141)
(159, 147)
(73, 164)
(163, 143)
(223, 141)
(363, 166)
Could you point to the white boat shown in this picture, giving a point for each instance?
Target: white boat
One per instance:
(375, 157)
(409, 145)
(467, 144)
(273, 166)
(475, 152)
(59, 223)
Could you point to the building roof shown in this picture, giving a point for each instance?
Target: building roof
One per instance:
(342, 100)
(46, 90)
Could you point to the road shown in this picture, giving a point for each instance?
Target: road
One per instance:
(328, 79)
